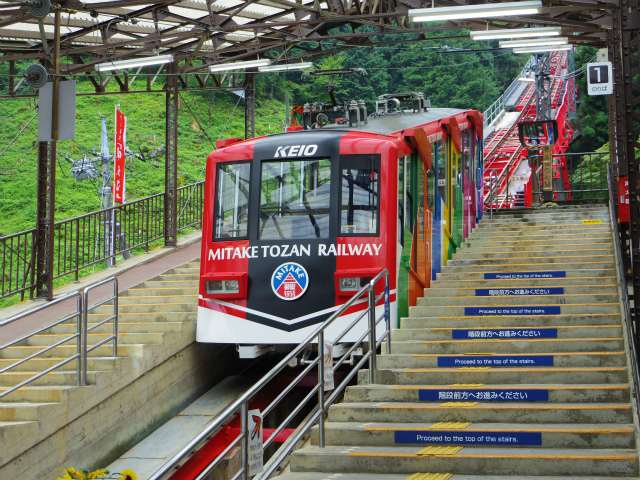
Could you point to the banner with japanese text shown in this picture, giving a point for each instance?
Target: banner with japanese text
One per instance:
(119, 193)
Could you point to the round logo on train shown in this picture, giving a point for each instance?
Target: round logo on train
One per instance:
(289, 281)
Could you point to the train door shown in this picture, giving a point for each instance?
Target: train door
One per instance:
(457, 176)
(432, 205)
(444, 192)
(469, 183)
(416, 249)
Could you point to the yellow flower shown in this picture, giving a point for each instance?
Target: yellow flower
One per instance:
(66, 477)
(97, 474)
(128, 475)
(74, 474)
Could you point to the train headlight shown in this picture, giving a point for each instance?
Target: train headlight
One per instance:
(214, 286)
(349, 284)
(224, 285)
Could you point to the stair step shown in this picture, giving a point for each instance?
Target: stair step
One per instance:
(469, 460)
(520, 295)
(569, 359)
(487, 412)
(444, 286)
(508, 321)
(554, 393)
(549, 375)
(427, 476)
(519, 332)
(449, 274)
(507, 287)
(54, 378)
(168, 299)
(510, 345)
(167, 307)
(520, 309)
(465, 433)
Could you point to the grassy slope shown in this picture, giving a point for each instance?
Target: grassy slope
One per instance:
(145, 119)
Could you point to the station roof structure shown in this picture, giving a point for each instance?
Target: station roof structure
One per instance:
(220, 31)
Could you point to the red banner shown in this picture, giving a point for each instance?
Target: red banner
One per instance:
(118, 167)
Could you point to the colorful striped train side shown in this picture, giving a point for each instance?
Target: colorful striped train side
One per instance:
(295, 223)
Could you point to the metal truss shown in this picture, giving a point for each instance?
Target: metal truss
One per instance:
(200, 34)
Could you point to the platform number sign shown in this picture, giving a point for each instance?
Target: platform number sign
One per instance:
(600, 78)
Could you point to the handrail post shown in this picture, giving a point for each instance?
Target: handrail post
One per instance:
(84, 335)
(372, 333)
(321, 387)
(79, 341)
(387, 312)
(115, 317)
(244, 420)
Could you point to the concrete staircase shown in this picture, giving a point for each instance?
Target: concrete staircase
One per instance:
(513, 365)
(52, 423)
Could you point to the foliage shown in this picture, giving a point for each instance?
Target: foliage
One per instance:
(592, 109)
(100, 474)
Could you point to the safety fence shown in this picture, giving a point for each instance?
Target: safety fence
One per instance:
(576, 176)
(77, 338)
(95, 238)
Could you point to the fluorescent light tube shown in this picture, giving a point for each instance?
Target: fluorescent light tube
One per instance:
(515, 33)
(223, 67)
(485, 10)
(133, 62)
(537, 42)
(289, 66)
(542, 49)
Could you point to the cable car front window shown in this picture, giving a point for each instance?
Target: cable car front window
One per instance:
(359, 195)
(294, 199)
(232, 200)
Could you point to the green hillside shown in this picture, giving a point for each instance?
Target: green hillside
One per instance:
(202, 118)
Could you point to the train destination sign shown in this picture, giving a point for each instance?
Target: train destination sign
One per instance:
(480, 311)
(524, 275)
(499, 292)
(483, 394)
(496, 361)
(463, 437)
(505, 333)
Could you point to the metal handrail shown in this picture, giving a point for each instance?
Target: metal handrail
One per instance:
(241, 405)
(77, 336)
(85, 322)
(80, 335)
(626, 314)
(497, 107)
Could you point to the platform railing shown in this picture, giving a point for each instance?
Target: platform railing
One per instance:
(631, 329)
(78, 337)
(96, 237)
(372, 337)
(586, 174)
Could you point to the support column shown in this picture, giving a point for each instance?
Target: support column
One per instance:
(171, 163)
(629, 130)
(46, 202)
(250, 104)
(45, 220)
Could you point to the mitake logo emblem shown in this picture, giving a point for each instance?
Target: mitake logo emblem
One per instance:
(289, 281)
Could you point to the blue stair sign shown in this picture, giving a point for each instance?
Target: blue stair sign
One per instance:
(464, 437)
(496, 361)
(524, 275)
(501, 292)
(506, 310)
(504, 333)
(483, 395)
